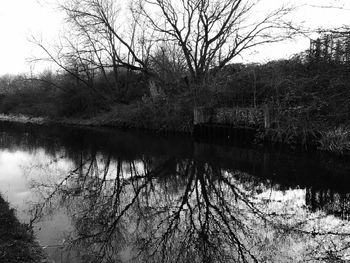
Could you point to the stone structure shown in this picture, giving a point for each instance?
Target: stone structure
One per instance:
(237, 116)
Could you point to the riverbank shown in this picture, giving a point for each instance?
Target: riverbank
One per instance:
(155, 116)
(136, 116)
(17, 242)
(335, 141)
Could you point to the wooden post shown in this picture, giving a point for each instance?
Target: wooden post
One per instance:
(267, 117)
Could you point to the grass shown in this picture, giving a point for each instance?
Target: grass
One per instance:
(17, 242)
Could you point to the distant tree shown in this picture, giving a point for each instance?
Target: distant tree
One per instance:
(330, 48)
(327, 47)
(338, 53)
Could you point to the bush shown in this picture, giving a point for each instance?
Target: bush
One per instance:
(81, 101)
(336, 140)
(163, 115)
(29, 102)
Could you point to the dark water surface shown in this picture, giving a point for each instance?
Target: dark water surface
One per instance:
(97, 195)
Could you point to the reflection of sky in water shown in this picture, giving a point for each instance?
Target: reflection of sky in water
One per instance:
(17, 171)
(12, 182)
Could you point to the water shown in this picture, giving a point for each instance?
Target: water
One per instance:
(97, 195)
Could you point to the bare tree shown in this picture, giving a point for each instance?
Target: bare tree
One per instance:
(96, 44)
(199, 35)
(99, 23)
(210, 32)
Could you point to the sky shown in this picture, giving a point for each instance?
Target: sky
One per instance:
(21, 19)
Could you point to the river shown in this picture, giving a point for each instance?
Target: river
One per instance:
(103, 195)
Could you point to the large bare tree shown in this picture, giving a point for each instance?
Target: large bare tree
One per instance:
(213, 32)
(105, 36)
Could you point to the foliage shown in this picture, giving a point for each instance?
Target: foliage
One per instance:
(159, 115)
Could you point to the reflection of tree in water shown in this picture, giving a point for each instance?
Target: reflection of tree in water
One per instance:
(168, 210)
(200, 203)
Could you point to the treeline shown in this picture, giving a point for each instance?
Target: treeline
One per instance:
(60, 94)
(129, 98)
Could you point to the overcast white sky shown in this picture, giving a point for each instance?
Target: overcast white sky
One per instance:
(19, 19)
